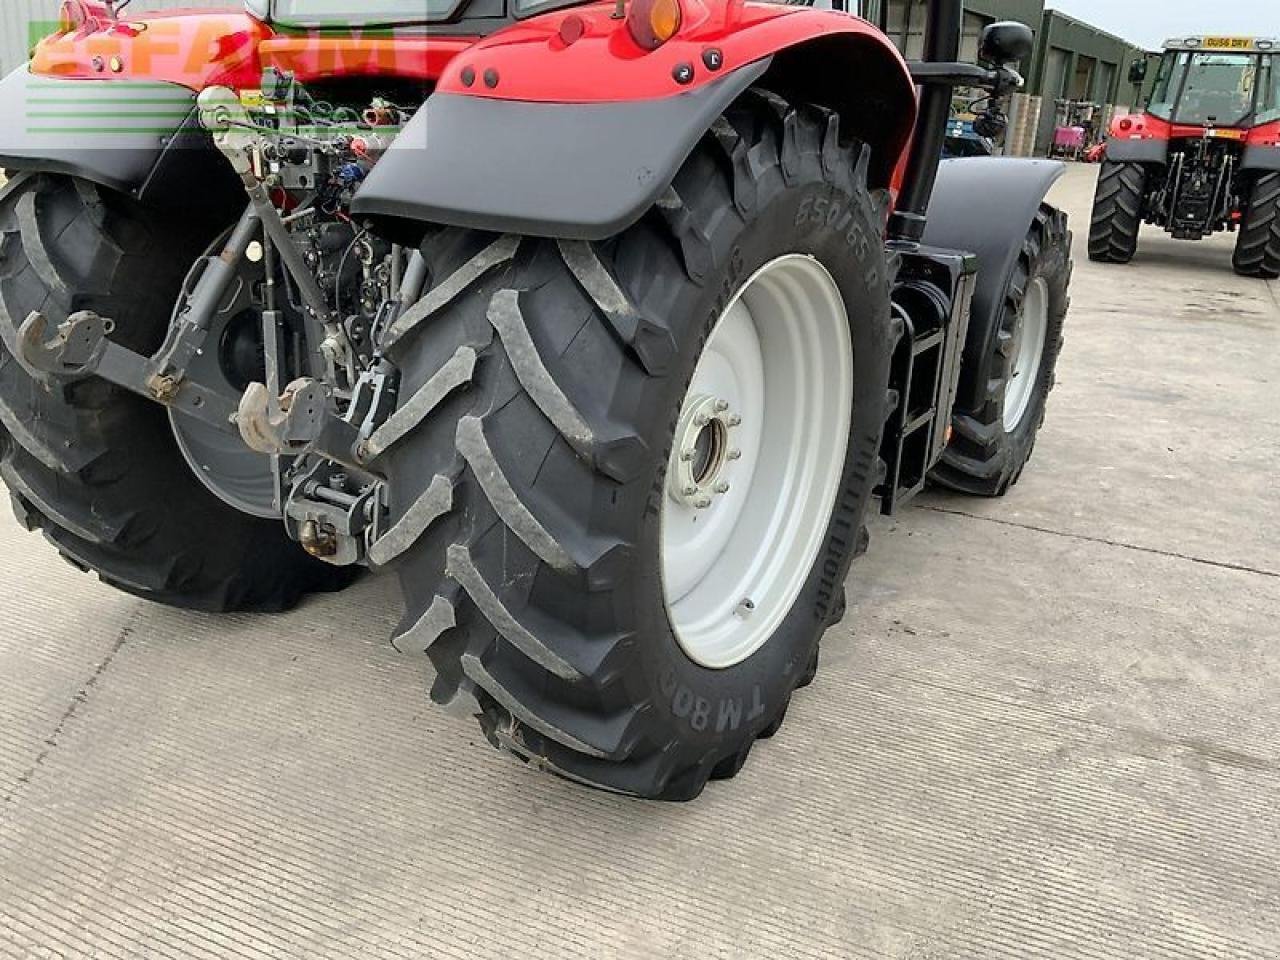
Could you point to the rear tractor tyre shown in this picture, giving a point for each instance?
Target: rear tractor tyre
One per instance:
(97, 468)
(1117, 212)
(1257, 252)
(624, 509)
(994, 433)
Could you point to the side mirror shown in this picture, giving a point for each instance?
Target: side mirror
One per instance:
(1138, 71)
(1006, 42)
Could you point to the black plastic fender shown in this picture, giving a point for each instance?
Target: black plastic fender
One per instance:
(985, 206)
(144, 140)
(1138, 151)
(565, 170)
(1265, 159)
(95, 129)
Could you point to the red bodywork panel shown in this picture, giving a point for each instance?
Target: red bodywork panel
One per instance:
(190, 48)
(530, 60)
(534, 61)
(1144, 126)
(1267, 135)
(1140, 126)
(580, 54)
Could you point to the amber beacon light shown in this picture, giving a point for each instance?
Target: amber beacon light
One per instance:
(653, 22)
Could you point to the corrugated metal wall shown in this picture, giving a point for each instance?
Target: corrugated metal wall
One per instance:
(21, 20)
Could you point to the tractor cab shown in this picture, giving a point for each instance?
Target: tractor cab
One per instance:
(1217, 83)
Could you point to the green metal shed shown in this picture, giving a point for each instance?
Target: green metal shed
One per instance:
(1078, 61)
(1073, 60)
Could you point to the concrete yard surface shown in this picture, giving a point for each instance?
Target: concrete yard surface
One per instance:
(1048, 727)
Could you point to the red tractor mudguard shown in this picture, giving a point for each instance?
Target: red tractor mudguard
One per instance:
(563, 126)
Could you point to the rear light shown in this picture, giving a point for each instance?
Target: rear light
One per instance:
(1126, 124)
(653, 22)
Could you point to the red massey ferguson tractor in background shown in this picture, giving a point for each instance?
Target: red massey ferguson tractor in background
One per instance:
(1203, 157)
(599, 324)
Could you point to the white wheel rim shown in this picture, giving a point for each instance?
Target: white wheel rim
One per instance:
(767, 419)
(1028, 349)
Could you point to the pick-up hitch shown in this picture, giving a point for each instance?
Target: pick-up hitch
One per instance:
(79, 347)
(302, 419)
(320, 430)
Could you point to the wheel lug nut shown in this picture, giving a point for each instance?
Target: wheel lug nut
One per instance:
(721, 406)
(701, 420)
(688, 455)
(734, 420)
(734, 454)
(690, 490)
(702, 503)
(722, 486)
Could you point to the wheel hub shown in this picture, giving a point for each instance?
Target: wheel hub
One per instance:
(703, 454)
(756, 460)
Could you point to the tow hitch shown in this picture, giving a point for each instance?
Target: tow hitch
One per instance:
(318, 431)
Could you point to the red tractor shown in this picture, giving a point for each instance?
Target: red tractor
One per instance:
(1202, 158)
(600, 324)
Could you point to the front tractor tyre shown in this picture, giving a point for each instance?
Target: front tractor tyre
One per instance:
(96, 468)
(1005, 386)
(1117, 212)
(628, 478)
(1257, 252)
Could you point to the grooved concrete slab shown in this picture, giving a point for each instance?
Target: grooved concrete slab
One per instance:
(1048, 727)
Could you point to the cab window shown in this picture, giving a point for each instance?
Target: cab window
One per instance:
(1220, 89)
(1269, 85)
(1173, 68)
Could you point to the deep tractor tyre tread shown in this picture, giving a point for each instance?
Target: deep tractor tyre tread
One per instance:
(1117, 212)
(545, 378)
(95, 467)
(983, 459)
(1257, 252)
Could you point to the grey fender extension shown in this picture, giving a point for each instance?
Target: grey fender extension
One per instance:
(984, 206)
(566, 170)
